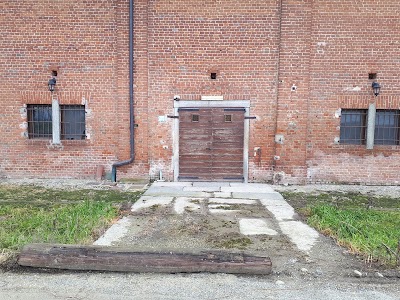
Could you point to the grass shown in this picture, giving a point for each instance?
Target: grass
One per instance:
(365, 224)
(35, 214)
(342, 200)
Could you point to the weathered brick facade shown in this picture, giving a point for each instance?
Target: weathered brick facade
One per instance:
(298, 62)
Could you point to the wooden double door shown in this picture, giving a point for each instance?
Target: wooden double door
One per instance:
(211, 144)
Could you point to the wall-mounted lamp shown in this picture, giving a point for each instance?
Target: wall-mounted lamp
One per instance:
(52, 84)
(376, 88)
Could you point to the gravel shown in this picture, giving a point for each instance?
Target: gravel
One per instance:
(38, 286)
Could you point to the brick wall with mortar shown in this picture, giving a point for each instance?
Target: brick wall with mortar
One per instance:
(87, 43)
(294, 60)
(349, 41)
(188, 40)
(297, 61)
(293, 91)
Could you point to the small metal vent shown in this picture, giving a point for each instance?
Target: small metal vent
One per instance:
(228, 118)
(195, 118)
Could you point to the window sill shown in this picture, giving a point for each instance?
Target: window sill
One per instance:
(75, 142)
(345, 146)
(49, 144)
(364, 147)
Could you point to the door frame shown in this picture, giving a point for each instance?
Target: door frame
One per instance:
(245, 104)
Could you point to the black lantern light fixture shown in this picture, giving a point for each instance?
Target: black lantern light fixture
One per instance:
(52, 84)
(376, 88)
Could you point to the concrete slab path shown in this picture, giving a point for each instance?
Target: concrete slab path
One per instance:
(213, 198)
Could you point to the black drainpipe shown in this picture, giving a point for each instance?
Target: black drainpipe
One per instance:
(131, 117)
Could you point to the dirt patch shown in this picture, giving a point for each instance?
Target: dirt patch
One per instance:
(160, 229)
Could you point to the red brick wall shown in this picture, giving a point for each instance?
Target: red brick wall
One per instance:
(87, 42)
(293, 91)
(297, 61)
(349, 41)
(187, 40)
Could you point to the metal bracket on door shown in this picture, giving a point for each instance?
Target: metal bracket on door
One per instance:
(173, 117)
(250, 118)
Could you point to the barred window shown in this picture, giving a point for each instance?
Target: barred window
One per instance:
(72, 122)
(353, 126)
(39, 121)
(387, 127)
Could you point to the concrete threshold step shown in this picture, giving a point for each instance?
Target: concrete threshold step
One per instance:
(99, 258)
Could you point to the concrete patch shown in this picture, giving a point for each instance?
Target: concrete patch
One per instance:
(254, 195)
(255, 227)
(222, 195)
(184, 203)
(258, 195)
(201, 189)
(146, 201)
(114, 233)
(302, 235)
(247, 188)
(171, 184)
(174, 192)
(254, 185)
(275, 196)
(211, 184)
(274, 202)
(280, 209)
(231, 201)
(222, 211)
(157, 190)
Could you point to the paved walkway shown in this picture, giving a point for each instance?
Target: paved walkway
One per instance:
(222, 199)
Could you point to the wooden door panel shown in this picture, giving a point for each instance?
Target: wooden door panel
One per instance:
(211, 144)
(228, 140)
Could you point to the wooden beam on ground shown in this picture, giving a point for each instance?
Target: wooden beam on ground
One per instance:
(77, 257)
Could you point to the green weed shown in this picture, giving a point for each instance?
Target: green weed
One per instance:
(366, 224)
(372, 233)
(34, 214)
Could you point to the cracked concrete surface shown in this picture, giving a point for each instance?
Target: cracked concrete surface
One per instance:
(238, 198)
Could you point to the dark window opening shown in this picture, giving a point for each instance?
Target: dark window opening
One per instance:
(228, 118)
(195, 118)
(39, 121)
(213, 75)
(73, 122)
(353, 126)
(387, 127)
(372, 76)
(54, 73)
